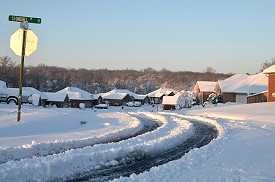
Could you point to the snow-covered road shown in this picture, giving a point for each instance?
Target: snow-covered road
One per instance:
(203, 134)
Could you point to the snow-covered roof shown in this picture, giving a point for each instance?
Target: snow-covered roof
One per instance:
(118, 93)
(206, 86)
(266, 91)
(269, 70)
(171, 100)
(35, 91)
(116, 96)
(162, 91)
(140, 97)
(244, 83)
(57, 97)
(76, 93)
(96, 96)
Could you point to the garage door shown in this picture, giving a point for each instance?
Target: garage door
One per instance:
(241, 99)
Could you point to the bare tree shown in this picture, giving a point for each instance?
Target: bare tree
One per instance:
(9, 71)
(267, 64)
(209, 70)
(52, 78)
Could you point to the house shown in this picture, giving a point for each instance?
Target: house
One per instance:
(237, 87)
(77, 96)
(181, 100)
(97, 99)
(203, 89)
(270, 72)
(116, 98)
(156, 96)
(136, 97)
(144, 99)
(60, 100)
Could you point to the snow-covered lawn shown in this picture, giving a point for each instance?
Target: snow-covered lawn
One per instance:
(243, 151)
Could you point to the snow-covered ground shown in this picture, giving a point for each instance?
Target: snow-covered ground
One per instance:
(243, 151)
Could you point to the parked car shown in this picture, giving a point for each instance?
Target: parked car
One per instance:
(10, 95)
(133, 104)
(101, 106)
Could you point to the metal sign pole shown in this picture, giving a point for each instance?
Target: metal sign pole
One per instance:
(19, 47)
(21, 73)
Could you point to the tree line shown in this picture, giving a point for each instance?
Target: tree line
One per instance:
(51, 78)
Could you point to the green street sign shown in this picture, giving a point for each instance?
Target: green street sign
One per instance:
(25, 19)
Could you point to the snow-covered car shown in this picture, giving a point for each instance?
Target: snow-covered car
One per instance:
(133, 104)
(10, 95)
(101, 106)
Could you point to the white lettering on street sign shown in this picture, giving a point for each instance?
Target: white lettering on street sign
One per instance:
(16, 42)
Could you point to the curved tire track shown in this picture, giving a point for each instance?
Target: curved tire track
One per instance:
(203, 135)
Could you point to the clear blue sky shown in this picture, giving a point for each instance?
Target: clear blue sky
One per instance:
(228, 35)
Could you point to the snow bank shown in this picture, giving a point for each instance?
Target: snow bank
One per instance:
(244, 150)
(64, 165)
(129, 127)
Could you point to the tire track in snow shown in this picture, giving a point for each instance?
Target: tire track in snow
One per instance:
(204, 134)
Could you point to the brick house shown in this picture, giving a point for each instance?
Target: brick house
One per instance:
(270, 72)
(115, 98)
(203, 89)
(156, 96)
(60, 100)
(136, 97)
(238, 87)
(77, 96)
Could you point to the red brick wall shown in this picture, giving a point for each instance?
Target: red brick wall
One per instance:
(271, 87)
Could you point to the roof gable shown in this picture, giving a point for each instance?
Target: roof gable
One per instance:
(206, 86)
(75, 93)
(161, 92)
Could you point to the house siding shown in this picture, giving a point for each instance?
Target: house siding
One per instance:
(261, 97)
(271, 87)
(169, 107)
(228, 97)
(75, 103)
(118, 102)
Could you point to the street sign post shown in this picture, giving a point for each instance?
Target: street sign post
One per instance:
(23, 42)
(25, 19)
